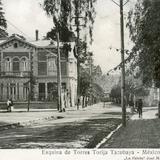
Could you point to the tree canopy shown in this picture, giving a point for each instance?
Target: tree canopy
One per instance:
(3, 23)
(64, 11)
(144, 27)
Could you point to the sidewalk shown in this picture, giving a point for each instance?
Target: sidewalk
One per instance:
(139, 132)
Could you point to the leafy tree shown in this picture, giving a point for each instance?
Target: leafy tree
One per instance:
(143, 24)
(64, 34)
(84, 82)
(116, 93)
(130, 90)
(88, 88)
(3, 23)
(97, 92)
(62, 12)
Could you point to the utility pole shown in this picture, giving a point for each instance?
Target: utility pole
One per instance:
(77, 45)
(78, 63)
(29, 96)
(59, 78)
(29, 86)
(123, 66)
(91, 80)
(77, 24)
(121, 5)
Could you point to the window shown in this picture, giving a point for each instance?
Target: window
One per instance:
(71, 67)
(42, 91)
(25, 91)
(42, 64)
(8, 64)
(51, 65)
(12, 90)
(42, 68)
(24, 64)
(64, 68)
(64, 86)
(16, 65)
(15, 45)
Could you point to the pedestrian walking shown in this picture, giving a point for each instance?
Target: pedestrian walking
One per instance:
(140, 105)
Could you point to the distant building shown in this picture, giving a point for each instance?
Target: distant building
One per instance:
(22, 61)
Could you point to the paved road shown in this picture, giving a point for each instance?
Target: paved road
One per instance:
(78, 129)
(23, 116)
(139, 133)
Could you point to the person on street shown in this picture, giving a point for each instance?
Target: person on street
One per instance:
(78, 103)
(131, 105)
(9, 105)
(140, 105)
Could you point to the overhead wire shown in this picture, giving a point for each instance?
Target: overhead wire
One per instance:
(131, 53)
(120, 64)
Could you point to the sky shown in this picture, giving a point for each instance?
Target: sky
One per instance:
(25, 16)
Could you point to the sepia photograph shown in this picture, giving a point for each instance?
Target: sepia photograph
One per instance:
(80, 74)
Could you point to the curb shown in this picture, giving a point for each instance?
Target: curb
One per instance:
(104, 140)
(108, 137)
(37, 121)
(28, 123)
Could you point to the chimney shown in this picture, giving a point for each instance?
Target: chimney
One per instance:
(37, 38)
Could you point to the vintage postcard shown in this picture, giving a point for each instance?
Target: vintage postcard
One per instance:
(79, 79)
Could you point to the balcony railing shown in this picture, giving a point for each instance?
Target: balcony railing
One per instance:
(15, 74)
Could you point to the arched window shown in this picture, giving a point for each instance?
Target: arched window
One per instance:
(8, 66)
(24, 64)
(16, 66)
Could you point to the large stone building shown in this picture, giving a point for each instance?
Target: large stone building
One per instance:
(23, 61)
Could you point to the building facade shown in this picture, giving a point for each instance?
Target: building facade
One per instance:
(23, 61)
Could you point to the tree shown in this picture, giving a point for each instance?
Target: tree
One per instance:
(87, 89)
(143, 24)
(63, 11)
(55, 9)
(133, 87)
(116, 93)
(3, 23)
(65, 34)
(84, 82)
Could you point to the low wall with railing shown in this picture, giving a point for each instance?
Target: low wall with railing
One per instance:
(33, 105)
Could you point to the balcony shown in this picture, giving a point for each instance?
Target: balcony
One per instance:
(15, 74)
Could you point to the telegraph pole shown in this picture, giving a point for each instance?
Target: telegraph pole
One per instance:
(78, 63)
(91, 79)
(122, 66)
(77, 24)
(29, 93)
(121, 4)
(59, 78)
